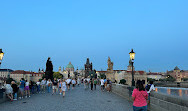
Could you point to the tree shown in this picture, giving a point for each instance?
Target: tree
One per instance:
(170, 78)
(102, 75)
(122, 81)
(57, 75)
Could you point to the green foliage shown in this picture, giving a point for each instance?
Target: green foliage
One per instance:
(102, 75)
(170, 78)
(150, 79)
(122, 81)
(9, 80)
(184, 79)
(57, 75)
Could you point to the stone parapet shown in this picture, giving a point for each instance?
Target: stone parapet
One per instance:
(158, 101)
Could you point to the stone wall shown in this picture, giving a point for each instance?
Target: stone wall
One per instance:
(3, 97)
(158, 102)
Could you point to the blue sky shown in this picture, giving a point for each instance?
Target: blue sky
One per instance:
(72, 30)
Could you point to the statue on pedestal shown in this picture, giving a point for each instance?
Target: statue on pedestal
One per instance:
(110, 65)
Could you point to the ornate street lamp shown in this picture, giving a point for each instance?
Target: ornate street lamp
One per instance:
(132, 56)
(1, 56)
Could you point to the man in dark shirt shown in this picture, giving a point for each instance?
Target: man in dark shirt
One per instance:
(54, 85)
(15, 89)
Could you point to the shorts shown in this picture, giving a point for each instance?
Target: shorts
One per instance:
(26, 88)
(21, 89)
(54, 87)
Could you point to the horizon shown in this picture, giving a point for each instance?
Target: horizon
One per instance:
(72, 31)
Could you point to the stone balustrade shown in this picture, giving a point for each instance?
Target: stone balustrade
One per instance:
(158, 101)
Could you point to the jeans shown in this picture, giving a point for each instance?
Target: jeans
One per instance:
(48, 89)
(38, 88)
(143, 108)
(15, 95)
(95, 86)
(32, 89)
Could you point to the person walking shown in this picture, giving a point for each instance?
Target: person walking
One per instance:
(31, 86)
(27, 89)
(88, 81)
(43, 85)
(21, 88)
(95, 83)
(60, 86)
(78, 81)
(139, 97)
(91, 83)
(15, 90)
(64, 87)
(49, 83)
(68, 83)
(73, 83)
(54, 85)
(85, 83)
(102, 84)
(38, 86)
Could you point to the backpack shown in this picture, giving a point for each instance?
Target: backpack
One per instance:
(148, 87)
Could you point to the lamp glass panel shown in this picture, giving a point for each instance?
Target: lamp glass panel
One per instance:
(1, 56)
(132, 56)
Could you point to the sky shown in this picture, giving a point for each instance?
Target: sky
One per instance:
(74, 30)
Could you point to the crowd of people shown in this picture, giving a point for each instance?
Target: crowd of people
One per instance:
(24, 88)
(105, 84)
(140, 95)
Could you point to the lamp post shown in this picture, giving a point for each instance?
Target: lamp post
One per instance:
(1, 56)
(132, 56)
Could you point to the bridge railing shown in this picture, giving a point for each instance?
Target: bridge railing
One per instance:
(158, 101)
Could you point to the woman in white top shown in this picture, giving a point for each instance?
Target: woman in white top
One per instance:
(73, 83)
(78, 81)
(27, 89)
(49, 83)
(9, 90)
(64, 87)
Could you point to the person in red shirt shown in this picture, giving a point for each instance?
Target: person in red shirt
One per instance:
(139, 96)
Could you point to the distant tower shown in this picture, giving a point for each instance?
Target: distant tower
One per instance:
(60, 69)
(88, 67)
(129, 67)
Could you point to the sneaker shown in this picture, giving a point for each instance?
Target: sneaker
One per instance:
(22, 97)
(29, 96)
(15, 99)
(25, 96)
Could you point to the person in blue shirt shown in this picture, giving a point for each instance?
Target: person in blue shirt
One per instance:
(22, 85)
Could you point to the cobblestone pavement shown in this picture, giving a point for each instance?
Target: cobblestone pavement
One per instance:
(78, 99)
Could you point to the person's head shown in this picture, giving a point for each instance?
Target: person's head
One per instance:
(22, 79)
(12, 82)
(25, 80)
(140, 86)
(151, 82)
(54, 79)
(63, 80)
(39, 80)
(44, 79)
(48, 79)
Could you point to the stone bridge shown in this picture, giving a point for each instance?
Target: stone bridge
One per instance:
(78, 99)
